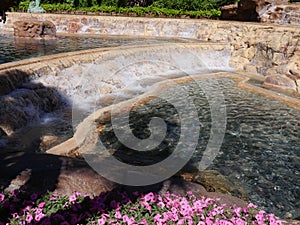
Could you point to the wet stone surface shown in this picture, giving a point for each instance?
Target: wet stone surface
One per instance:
(259, 154)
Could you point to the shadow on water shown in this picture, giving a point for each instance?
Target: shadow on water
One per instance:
(29, 112)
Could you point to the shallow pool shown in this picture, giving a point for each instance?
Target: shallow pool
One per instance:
(260, 151)
(14, 49)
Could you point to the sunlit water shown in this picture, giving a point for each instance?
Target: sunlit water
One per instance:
(260, 151)
(14, 49)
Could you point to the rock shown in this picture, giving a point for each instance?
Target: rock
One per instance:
(43, 172)
(248, 10)
(229, 12)
(35, 29)
(48, 141)
(280, 82)
(213, 181)
(24, 105)
(282, 14)
(74, 27)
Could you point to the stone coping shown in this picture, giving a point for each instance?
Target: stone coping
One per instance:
(45, 16)
(14, 73)
(268, 49)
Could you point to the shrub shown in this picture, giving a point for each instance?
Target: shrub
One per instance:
(192, 5)
(119, 207)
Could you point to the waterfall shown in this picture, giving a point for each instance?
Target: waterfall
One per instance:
(125, 74)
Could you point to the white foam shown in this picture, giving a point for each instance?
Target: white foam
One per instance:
(126, 76)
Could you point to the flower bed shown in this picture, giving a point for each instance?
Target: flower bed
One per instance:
(117, 207)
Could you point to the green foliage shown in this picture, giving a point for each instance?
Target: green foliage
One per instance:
(109, 2)
(192, 5)
(108, 6)
(23, 6)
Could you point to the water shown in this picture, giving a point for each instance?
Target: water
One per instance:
(130, 73)
(14, 49)
(260, 151)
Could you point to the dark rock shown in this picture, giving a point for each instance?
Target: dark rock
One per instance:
(213, 181)
(248, 10)
(45, 172)
(229, 12)
(35, 29)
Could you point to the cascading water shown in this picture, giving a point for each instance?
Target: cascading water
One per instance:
(290, 17)
(129, 75)
(251, 138)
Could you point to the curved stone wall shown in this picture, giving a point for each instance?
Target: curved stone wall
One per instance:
(18, 93)
(267, 49)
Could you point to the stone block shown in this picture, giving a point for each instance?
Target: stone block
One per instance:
(34, 29)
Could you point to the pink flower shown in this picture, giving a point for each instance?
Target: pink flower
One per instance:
(42, 204)
(181, 221)
(157, 217)
(161, 205)
(118, 215)
(143, 221)
(39, 216)
(239, 221)
(2, 196)
(147, 206)
(237, 211)
(72, 198)
(102, 221)
(128, 220)
(29, 218)
(259, 217)
(149, 197)
(251, 205)
(173, 216)
(201, 223)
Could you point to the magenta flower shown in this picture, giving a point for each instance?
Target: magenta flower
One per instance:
(149, 197)
(72, 198)
(29, 218)
(42, 204)
(39, 216)
(102, 221)
(143, 221)
(2, 197)
(118, 215)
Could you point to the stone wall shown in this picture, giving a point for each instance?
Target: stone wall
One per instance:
(270, 50)
(283, 14)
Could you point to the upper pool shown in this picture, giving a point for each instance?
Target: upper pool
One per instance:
(14, 49)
